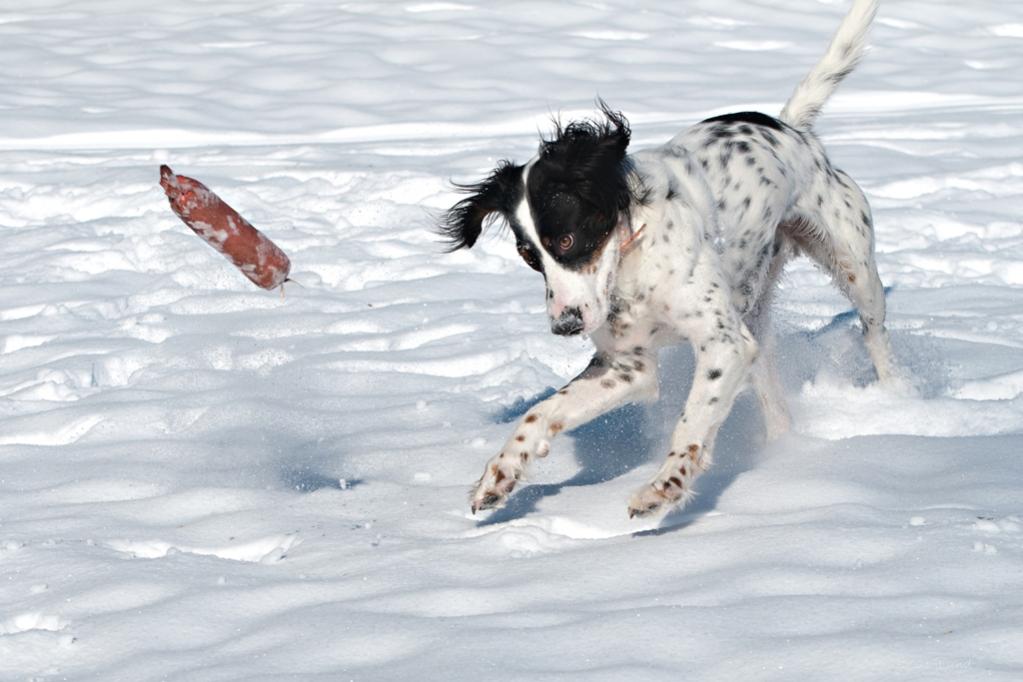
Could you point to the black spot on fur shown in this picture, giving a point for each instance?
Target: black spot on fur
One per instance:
(645, 197)
(838, 76)
(754, 117)
(714, 374)
(722, 132)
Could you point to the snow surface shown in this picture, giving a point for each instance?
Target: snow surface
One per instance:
(203, 481)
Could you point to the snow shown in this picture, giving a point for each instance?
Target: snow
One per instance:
(201, 481)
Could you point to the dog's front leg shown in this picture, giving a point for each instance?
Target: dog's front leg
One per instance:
(609, 381)
(724, 354)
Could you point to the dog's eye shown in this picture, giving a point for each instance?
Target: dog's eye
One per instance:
(565, 242)
(529, 255)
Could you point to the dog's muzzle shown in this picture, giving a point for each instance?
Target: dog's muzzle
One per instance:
(569, 324)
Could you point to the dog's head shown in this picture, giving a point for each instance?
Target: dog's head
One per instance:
(565, 207)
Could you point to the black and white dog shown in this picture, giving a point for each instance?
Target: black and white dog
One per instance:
(680, 242)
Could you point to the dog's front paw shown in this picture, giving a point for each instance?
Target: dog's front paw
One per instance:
(657, 497)
(647, 501)
(673, 484)
(497, 483)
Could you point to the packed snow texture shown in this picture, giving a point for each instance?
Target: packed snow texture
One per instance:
(203, 481)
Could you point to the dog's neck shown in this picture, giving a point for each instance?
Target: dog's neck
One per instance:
(628, 235)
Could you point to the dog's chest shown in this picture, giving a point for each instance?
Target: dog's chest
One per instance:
(630, 324)
(638, 311)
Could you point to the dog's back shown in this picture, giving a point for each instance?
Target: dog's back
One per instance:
(775, 189)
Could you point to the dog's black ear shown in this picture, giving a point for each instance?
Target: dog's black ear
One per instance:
(498, 193)
(615, 136)
(613, 188)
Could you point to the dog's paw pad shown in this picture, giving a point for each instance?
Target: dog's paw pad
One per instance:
(647, 502)
(487, 501)
(657, 497)
(649, 510)
(493, 489)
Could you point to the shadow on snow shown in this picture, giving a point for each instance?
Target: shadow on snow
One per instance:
(631, 436)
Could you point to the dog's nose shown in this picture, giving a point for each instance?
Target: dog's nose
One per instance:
(569, 324)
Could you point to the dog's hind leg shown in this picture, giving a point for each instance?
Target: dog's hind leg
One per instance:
(756, 257)
(764, 372)
(867, 294)
(840, 238)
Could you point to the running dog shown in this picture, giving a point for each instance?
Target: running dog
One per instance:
(681, 242)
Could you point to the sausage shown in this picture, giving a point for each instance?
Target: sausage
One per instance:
(225, 230)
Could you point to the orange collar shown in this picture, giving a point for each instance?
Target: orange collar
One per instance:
(630, 241)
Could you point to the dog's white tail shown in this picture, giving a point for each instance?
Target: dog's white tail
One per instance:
(842, 56)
